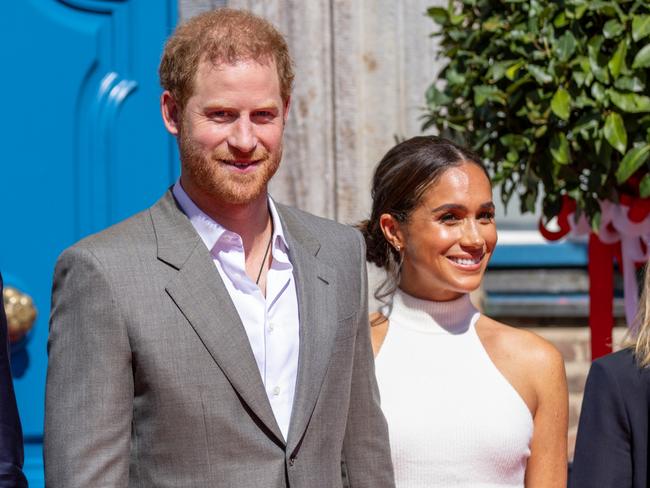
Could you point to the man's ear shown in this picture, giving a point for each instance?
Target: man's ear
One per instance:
(170, 112)
(287, 104)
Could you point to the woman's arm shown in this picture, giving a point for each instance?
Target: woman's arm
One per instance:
(547, 465)
(603, 451)
(535, 368)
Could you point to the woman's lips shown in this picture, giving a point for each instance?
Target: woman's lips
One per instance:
(467, 263)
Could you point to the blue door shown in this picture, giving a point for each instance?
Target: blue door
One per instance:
(83, 147)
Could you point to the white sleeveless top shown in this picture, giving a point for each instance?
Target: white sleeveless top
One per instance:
(454, 420)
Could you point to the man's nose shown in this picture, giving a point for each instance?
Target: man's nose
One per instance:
(242, 136)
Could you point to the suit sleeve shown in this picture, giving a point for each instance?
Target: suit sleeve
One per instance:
(11, 436)
(366, 449)
(603, 456)
(89, 393)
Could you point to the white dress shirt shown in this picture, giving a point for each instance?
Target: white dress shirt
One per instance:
(271, 323)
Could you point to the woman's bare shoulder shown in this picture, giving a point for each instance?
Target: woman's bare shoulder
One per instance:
(525, 347)
(377, 319)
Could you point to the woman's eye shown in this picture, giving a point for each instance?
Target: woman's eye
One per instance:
(489, 216)
(448, 218)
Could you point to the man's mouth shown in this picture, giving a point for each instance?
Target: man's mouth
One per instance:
(241, 165)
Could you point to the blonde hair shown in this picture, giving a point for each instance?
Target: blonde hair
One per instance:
(640, 342)
(222, 36)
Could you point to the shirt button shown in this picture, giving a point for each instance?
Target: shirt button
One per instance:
(271, 328)
(276, 391)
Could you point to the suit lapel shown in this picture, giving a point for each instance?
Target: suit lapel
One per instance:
(316, 290)
(199, 293)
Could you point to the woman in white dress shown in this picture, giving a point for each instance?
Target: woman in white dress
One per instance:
(469, 402)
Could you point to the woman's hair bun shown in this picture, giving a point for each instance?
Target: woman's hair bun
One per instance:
(377, 248)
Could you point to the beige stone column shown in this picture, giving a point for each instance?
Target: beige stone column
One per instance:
(384, 61)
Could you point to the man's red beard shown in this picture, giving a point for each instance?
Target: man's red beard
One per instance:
(212, 176)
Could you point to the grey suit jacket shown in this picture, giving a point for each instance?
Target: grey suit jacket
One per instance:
(152, 382)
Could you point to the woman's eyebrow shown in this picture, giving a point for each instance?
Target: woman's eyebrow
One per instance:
(449, 206)
(463, 208)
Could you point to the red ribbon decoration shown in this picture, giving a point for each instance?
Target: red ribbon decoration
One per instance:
(568, 208)
(601, 295)
(600, 267)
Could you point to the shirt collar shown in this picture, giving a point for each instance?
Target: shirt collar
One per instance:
(211, 231)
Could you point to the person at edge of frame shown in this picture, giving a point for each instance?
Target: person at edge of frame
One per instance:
(11, 434)
(612, 440)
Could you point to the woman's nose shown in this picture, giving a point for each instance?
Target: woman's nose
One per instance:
(472, 236)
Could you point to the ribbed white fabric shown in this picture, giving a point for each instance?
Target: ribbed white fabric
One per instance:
(453, 418)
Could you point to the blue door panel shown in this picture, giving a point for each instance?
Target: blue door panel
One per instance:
(83, 144)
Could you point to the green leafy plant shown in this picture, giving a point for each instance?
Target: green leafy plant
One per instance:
(554, 95)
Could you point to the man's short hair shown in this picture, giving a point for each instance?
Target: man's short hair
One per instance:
(222, 36)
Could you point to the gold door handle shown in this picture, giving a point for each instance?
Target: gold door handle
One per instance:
(21, 312)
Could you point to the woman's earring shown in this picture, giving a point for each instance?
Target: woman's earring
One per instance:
(400, 258)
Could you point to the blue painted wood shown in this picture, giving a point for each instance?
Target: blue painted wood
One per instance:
(561, 254)
(33, 467)
(83, 144)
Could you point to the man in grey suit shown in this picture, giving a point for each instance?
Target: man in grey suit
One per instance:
(218, 338)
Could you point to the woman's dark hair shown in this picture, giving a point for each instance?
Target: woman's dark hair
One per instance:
(400, 180)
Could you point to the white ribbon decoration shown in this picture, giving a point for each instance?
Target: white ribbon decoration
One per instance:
(631, 235)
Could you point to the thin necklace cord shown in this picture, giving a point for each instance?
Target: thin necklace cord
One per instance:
(266, 253)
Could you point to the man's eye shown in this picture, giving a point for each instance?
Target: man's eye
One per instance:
(489, 216)
(264, 115)
(219, 114)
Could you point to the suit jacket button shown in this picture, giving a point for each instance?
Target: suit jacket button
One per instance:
(292, 461)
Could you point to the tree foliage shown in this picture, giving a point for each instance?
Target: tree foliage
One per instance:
(554, 95)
